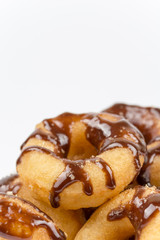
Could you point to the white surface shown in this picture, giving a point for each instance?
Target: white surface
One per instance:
(77, 56)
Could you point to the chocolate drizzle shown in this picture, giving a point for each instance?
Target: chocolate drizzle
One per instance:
(9, 184)
(103, 134)
(41, 135)
(135, 149)
(18, 222)
(60, 129)
(140, 210)
(146, 120)
(144, 177)
(73, 172)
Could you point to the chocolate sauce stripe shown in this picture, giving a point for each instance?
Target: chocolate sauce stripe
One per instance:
(12, 212)
(140, 210)
(129, 145)
(40, 134)
(144, 177)
(73, 172)
(144, 118)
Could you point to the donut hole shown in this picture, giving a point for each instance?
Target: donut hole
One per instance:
(80, 147)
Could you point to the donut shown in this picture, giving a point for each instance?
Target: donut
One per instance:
(147, 120)
(69, 221)
(79, 160)
(133, 214)
(21, 220)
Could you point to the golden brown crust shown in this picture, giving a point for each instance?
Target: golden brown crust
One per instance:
(41, 168)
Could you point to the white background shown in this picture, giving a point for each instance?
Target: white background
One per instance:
(76, 56)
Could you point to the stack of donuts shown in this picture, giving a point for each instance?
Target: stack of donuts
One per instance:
(91, 176)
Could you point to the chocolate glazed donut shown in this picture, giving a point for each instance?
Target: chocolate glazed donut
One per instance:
(82, 158)
(147, 120)
(22, 220)
(133, 214)
(68, 221)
